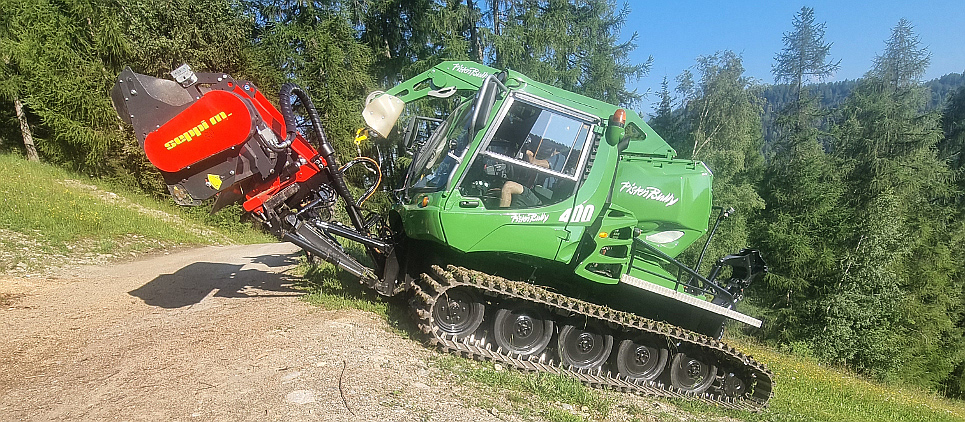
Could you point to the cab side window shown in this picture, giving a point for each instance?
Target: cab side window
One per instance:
(531, 160)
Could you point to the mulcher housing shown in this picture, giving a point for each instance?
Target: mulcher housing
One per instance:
(534, 226)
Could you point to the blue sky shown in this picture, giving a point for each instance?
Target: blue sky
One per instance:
(675, 33)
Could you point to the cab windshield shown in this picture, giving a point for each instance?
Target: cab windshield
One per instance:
(442, 152)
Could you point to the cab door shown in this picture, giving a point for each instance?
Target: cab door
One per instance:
(532, 156)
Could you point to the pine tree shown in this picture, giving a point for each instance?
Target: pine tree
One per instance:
(804, 59)
(573, 45)
(58, 60)
(894, 290)
(805, 55)
(801, 189)
(952, 150)
(952, 146)
(665, 120)
(218, 40)
(313, 45)
(904, 61)
(404, 35)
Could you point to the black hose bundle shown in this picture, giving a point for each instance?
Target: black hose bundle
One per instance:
(325, 148)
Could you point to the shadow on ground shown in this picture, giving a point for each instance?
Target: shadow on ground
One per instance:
(192, 283)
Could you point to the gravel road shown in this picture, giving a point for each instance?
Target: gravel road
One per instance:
(216, 333)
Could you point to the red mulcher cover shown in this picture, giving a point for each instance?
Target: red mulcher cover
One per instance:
(216, 122)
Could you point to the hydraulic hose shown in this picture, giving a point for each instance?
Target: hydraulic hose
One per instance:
(374, 167)
(325, 148)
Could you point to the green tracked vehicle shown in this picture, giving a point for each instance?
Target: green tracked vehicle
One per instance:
(534, 227)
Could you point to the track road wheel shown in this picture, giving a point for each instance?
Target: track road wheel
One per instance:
(733, 386)
(524, 331)
(583, 349)
(458, 312)
(639, 361)
(690, 374)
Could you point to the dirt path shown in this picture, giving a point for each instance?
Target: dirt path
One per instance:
(207, 334)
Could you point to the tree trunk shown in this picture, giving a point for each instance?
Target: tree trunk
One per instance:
(494, 10)
(28, 140)
(475, 43)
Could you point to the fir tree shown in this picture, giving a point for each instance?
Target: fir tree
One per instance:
(665, 120)
(805, 55)
(904, 61)
(952, 146)
(313, 45)
(801, 190)
(58, 61)
(571, 45)
(886, 299)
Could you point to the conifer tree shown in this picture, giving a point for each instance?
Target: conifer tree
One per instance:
(665, 121)
(573, 45)
(904, 60)
(58, 60)
(952, 151)
(952, 146)
(313, 45)
(804, 57)
(801, 189)
(896, 287)
(409, 36)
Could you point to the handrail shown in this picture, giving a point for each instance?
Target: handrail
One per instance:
(716, 289)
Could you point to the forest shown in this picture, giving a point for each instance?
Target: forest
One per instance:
(853, 191)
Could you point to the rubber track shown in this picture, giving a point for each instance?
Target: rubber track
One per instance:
(433, 285)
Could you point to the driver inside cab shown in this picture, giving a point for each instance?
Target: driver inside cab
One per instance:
(519, 193)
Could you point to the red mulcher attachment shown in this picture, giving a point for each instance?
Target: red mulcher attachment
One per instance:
(214, 136)
(211, 135)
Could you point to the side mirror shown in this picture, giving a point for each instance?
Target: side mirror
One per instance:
(484, 103)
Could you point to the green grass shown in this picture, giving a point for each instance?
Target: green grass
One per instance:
(809, 391)
(47, 211)
(549, 396)
(334, 290)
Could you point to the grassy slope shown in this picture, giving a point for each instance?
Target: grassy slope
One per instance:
(811, 392)
(806, 391)
(49, 215)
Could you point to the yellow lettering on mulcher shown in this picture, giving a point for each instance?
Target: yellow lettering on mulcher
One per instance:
(195, 131)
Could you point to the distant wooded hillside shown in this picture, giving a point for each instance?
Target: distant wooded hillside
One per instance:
(832, 94)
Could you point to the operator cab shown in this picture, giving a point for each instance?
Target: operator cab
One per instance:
(433, 164)
(509, 186)
(538, 145)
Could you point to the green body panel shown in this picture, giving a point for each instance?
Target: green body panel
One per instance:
(462, 76)
(615, 235)
(533, 232)
(423, 223)
(466, 77)
(665, 195)
(629, 185)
